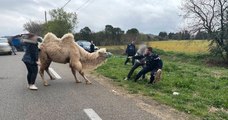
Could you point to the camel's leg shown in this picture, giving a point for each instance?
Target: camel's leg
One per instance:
(78, 66)
(43, 65)
(86, 79)
(48, 72)
(74, 73)
(42, 68)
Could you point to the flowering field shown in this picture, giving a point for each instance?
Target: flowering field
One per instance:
(193, 46)
(183, 46)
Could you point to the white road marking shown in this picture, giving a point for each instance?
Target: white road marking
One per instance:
(57, 76)
(92, 114)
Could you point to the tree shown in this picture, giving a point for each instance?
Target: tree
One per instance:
(85, 33)
(99, 38)
(209, 15)
(163, 35)
(34, 27)
(185, 35)
(201, 35)
(61, 22)
(113, 34)
(171, 35)
(117, 32)
(132, 34)
(109, 32)
(108, 29)
(133, 31)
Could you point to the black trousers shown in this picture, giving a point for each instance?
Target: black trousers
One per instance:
(13, 49)
(128, 59)
(135, 66)
(32, 72)
(146, 70)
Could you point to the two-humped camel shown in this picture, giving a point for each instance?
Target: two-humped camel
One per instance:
(65, 50)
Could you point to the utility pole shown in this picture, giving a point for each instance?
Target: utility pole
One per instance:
(45, 15)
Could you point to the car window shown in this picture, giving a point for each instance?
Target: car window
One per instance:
(79, 43)
(3, 40)
(86, 43)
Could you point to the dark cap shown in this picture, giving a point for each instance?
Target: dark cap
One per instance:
(150, 49)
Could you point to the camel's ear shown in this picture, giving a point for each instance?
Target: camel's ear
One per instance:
(100, 52)
(103, 50)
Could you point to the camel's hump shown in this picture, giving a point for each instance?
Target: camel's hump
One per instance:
(50, 37)
(68, 38)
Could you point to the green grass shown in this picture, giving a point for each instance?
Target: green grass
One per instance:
(201, 88)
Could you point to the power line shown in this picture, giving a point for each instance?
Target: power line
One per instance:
(65, 4)
(83, 5)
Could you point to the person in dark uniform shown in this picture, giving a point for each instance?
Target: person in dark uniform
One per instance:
(130, 51)
(138, 62)
(30, 59)
(92, 47)
(153, 64)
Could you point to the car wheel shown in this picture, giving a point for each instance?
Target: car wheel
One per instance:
(10, 53)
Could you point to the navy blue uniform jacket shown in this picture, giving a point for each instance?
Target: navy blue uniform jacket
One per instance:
(151, 61)
(131, 50)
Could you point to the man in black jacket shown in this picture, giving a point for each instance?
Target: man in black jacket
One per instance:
(153, 64)
(92, 47)
(130, 51)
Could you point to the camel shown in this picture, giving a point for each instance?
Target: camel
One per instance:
(65, 50)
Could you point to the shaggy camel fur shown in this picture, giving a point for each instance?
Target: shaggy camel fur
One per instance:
(65, 50)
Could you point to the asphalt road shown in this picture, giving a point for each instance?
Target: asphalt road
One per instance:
(63, 100)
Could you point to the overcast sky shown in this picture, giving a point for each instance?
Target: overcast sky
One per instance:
(148, 16)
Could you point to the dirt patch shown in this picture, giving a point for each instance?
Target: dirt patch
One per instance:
(213, 110)
(216, 63)
(145, 103)
(217, 74)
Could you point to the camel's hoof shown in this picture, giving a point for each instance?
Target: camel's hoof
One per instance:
(88, 83)
(78, 81)
(53, 78)
(46, 84)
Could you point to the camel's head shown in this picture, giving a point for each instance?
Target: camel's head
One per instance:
(103, 53)
(96, 59)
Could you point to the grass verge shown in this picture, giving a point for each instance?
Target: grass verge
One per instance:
(203, 90)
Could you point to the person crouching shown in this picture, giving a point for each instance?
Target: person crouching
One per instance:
(153, 64)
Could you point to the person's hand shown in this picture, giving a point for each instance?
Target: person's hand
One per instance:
(38, 63)
(42, 47)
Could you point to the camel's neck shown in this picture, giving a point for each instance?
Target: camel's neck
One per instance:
(90, 56)
(91, 63)
(90, 59)
(86, 55)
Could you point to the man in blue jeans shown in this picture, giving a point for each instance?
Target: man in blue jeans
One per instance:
(153, 64)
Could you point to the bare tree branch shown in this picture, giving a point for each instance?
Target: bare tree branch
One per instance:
(209, 15)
